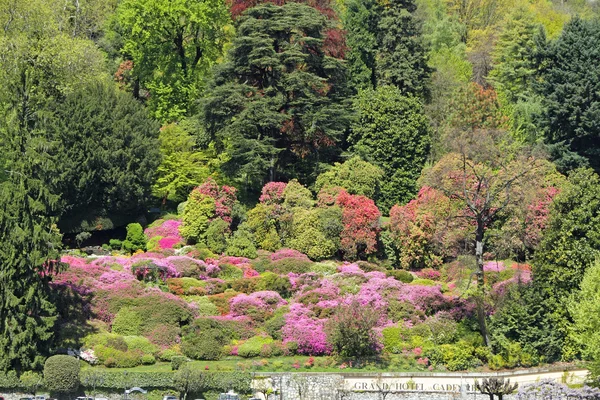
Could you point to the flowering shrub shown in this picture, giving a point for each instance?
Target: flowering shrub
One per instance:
(288, 253)
(224, 197)
(89, 356)
(257, 305)
(360, 217)
(303, 328)
(272, 193)
(429, 273)
(163, 228)
(494, 266)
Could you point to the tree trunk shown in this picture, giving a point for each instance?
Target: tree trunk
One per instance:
(481, 317)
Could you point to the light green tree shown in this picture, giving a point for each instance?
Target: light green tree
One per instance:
(173, 44)
(584, 307)
(183, 166)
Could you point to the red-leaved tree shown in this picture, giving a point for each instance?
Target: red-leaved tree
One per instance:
(360, 217)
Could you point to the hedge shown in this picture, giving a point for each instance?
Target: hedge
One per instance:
(220, 381)
(61, 374)
(9, 380)
(108, 379)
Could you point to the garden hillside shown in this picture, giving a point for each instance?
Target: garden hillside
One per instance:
(326, 282)
(297, 184)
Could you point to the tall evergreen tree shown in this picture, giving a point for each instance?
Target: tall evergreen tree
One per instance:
(109, 155)
(276, 106)
(361, 21)
(570, 86)
(402, 56)
(393, 133)
(30, 239)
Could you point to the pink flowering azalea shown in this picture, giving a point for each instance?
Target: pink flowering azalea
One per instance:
(264, 302)
(429, 273)
(494, 266)
(168, 242)
(288, 253)
(303, 328)
(272, 193)
(351, 269)
(169, 228)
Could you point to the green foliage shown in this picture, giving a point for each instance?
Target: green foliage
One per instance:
(526, 318)
(205, 338)
(170, 56)
(277, 124)
(27, 223)
(295, 265)
(295, 195)
(253, 346)
(355, 175)
(109, 154)
(361, 20)
(197, 214)
(571, 240)
(141, 344)
(61, 374)
(584, 307)
(276, 283)
(117, 380)
(570, 87)
(127, 322)
(183, 167)
(9, 380)
(217, 235)
(309, 236)
(261, 221)
(402, 57)
(177, 362)
(31, 381)
(241, 244)
(393, 133)
(515, 58)
(350, 331)
(401, 275)
(456, 357)
(135, 239)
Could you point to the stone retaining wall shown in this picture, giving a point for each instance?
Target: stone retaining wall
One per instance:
(379, 386)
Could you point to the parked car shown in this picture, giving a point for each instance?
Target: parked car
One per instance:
(170, 398)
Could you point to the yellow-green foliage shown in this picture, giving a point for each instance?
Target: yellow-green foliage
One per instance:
(127, 322)
(198, 212)
(253, 346)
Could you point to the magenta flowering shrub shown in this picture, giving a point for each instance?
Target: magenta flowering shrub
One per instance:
(308, 332)
(233, 260)
(272, 193)
(224, 196)
(257, 305)
(168, 242)
(425, 298)
(168, 228)
(288, 253)
(494, 266)
(350, 269)
(429, 273)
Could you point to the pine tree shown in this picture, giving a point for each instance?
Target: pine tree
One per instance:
(402, 56)
(30, 239)
(361, 23)
(276, 106)
(570, 86)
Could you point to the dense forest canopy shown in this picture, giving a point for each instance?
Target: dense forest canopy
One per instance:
(291, 162)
